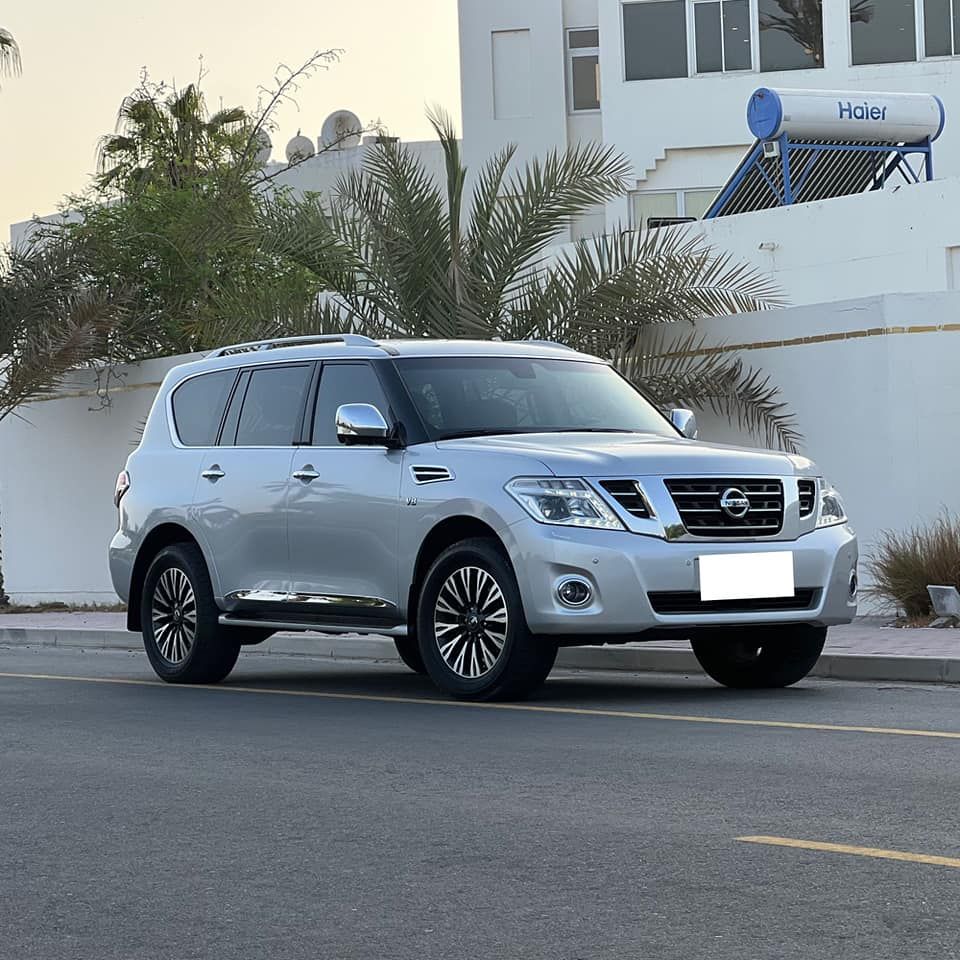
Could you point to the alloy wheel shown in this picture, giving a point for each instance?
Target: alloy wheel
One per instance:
(174, 615)
(470, 622)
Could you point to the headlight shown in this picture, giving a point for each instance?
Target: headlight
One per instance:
(831, 508)
(567, 503)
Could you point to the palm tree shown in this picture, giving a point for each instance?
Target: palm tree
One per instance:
(166, 135)
(403, 255)
(9, 54)
(51, 320)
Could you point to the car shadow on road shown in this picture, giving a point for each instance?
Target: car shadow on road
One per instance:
(598, 691)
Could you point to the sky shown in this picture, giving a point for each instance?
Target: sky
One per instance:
(81, 57)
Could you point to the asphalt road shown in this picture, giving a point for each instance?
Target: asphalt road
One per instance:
(269, 819)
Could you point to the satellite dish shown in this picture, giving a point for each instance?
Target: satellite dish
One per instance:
(264, 147)
(341, 130)
(300, 148)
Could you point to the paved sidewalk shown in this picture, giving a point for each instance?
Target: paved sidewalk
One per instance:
(863, 650)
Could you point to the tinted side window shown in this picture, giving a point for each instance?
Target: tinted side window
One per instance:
(198, 407)
(272, 405)
(344, 383)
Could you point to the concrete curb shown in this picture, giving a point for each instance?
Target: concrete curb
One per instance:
(634, 658)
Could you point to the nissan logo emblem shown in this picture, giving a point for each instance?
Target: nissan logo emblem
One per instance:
(734, 503)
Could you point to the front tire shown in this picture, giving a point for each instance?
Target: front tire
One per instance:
(752, 658)
(474, 638)
(181, 630)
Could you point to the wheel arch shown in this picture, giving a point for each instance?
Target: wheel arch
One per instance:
(444, 534)
(163, 535)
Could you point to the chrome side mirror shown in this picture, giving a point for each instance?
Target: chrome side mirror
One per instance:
(361, 423)
(685, 422)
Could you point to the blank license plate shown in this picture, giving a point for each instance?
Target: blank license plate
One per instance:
(746, 576)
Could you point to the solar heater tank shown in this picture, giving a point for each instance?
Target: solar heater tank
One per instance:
(845, 115)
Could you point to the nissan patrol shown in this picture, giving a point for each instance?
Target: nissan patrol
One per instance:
(483, 503)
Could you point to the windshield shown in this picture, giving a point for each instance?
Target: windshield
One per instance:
(477, 396)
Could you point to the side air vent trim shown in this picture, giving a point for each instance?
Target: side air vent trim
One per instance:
(422, 473)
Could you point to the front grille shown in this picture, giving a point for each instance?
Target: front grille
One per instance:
(628, 495)
(688, 601)
(698, 502)
(808, 493)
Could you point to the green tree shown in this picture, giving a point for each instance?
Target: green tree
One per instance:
(403, 255)
(52, 320)
(9, 54)
(176, 188)
(165, 137)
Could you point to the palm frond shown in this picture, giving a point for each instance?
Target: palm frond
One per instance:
(603, 291)
(49, 326)
(400, 225)
(10, 64)
(226, 117)
(684, 369)
(456, 177)
(540, 202)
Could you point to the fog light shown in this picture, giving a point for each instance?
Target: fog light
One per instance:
(574, 592)
(853, 584)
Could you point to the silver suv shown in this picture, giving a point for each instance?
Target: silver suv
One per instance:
(482, 503)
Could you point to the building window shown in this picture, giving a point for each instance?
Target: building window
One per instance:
(722, 35)
(583, 69)
(883, 31)
(647, 205)
(791, 34)
(655, 39)
(941, 28)
(674, 38)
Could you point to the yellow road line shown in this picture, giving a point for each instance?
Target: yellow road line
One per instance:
(516, 707)
(855, 851)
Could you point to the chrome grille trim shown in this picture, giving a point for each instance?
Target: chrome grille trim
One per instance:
(697, 500)
(808, 496)
(629, 495)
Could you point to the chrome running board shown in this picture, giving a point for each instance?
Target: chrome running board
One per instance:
(368, 629)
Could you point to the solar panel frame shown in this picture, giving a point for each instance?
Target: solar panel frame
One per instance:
(819, 170)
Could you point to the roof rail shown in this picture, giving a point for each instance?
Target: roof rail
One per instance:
(350, 339)
(548, 343)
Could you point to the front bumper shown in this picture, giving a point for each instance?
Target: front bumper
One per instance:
(623, 568)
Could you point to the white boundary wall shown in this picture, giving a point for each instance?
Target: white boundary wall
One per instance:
(874, 389)
(873, 386)
(58, 467)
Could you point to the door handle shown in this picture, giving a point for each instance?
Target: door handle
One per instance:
(213, 473)
(306, 474)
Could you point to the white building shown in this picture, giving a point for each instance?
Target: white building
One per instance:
(667, 81)
(316, 174)
(320, 173)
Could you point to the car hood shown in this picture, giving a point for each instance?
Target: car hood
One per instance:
(635, 455)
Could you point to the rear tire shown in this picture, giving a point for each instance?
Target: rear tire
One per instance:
(752, 658)
(409, 652)
(181, 630)
(474, 638)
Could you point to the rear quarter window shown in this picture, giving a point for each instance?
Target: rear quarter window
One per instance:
(198, 407)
